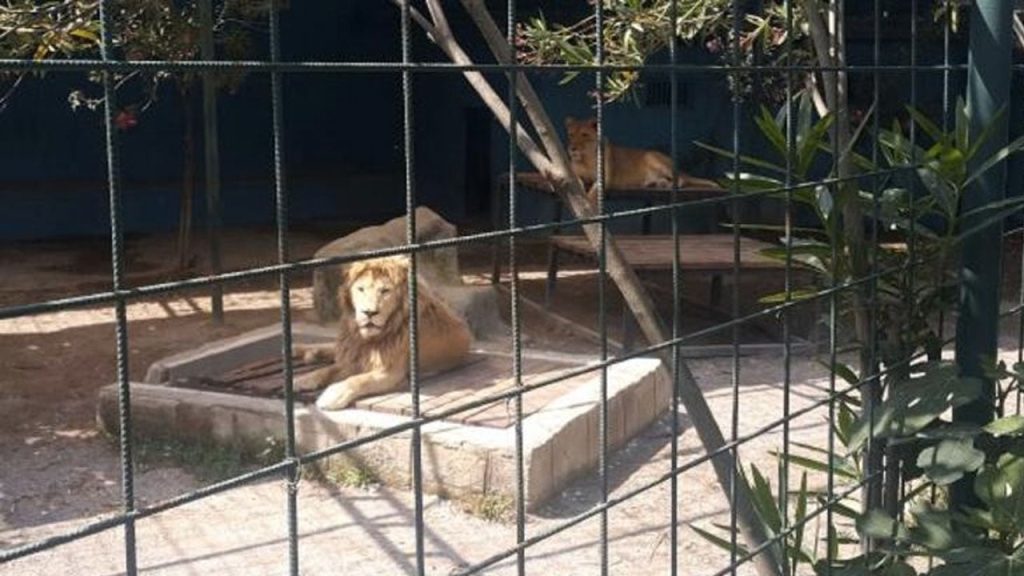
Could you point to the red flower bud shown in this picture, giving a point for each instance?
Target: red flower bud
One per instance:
(125, 119)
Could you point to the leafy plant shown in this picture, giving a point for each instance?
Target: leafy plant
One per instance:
(634, 30)
(140, 30)
(918, 201)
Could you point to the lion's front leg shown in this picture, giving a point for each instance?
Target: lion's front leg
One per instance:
(344, 393)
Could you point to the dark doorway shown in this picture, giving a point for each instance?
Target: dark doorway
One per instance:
(478, 162)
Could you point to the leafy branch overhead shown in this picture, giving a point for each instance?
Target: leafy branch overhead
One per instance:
(141, 30)
(636, 30)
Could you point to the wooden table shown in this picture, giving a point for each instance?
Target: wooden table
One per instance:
(536, 182)
(708, 253)
(700, 252)
(711, 253)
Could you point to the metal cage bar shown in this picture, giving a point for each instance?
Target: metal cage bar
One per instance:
(408, 69)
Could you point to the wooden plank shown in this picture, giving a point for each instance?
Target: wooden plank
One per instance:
(561, 321)
(494, 384)
(483, 375)
(705, 252)
(497, 414)
(454, 385)
(537, 181)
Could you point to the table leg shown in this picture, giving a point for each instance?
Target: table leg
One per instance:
(496, 216)
(549, 290)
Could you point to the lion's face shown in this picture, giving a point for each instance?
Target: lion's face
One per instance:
(376, 295)
(581, 137)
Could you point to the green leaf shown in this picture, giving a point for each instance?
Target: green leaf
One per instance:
(810, 144)
(899, 569)
(770, 130)
(928, 126)
(915, 403)
(1002, 154)
(949, 460)
(825, 201)
(963, 125)
(1001, 486)
(845, 511)
(85, 34)
(845, 372)
(845, 418)
(839, 468)
(794, 295)
(774, 228)
(801, 248)
(980, 561)
(755, 182)
(718, 540)
(983, 519)
(940, 189)
(932, 529)
(877, 524)
(750, 160)
(801, 255)
(804, 117)
(986, 133)
(951, 431)
(1006, 204)
(764, 501)
(1008, 426)
(800, 514)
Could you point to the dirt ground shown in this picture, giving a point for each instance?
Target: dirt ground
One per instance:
(58, 472)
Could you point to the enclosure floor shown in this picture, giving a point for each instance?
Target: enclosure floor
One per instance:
(369, 531)
(59, 473)
(482, 375)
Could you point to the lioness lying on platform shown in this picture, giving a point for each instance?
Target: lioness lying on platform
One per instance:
(624, 168)
(371, 353)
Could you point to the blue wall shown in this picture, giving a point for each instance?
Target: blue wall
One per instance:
(343, 134)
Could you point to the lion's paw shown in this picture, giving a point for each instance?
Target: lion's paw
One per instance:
(336, 397)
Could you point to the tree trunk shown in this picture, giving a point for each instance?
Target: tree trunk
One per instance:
(553, 161)
(828, 37)
(188, 182)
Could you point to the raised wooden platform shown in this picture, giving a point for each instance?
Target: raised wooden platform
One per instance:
(537, 181)
(472, 454)
(482, 376)
(703, 252)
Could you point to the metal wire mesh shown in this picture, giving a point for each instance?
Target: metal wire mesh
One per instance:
(409, 69)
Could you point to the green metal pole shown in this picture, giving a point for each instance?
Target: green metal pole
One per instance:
(212, 153)
(988, 90)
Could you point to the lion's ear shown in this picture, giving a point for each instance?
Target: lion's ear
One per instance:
(592, 122)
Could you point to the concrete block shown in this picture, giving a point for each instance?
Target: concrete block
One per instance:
(561, 441)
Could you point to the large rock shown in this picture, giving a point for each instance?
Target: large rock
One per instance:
(478, 305)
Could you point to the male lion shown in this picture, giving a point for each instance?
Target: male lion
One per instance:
(371, 353)
(624, 168)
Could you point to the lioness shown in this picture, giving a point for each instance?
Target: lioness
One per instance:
(371, 353)
(624, 168)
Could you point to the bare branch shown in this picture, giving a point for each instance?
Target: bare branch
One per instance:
(811, 85)
(504, 54)
(476, 80)
(642, 307)
(440, 20)
(822, 47)
(421, 20)
(1018, 29)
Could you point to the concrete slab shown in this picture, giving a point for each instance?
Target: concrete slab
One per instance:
(461, 460)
